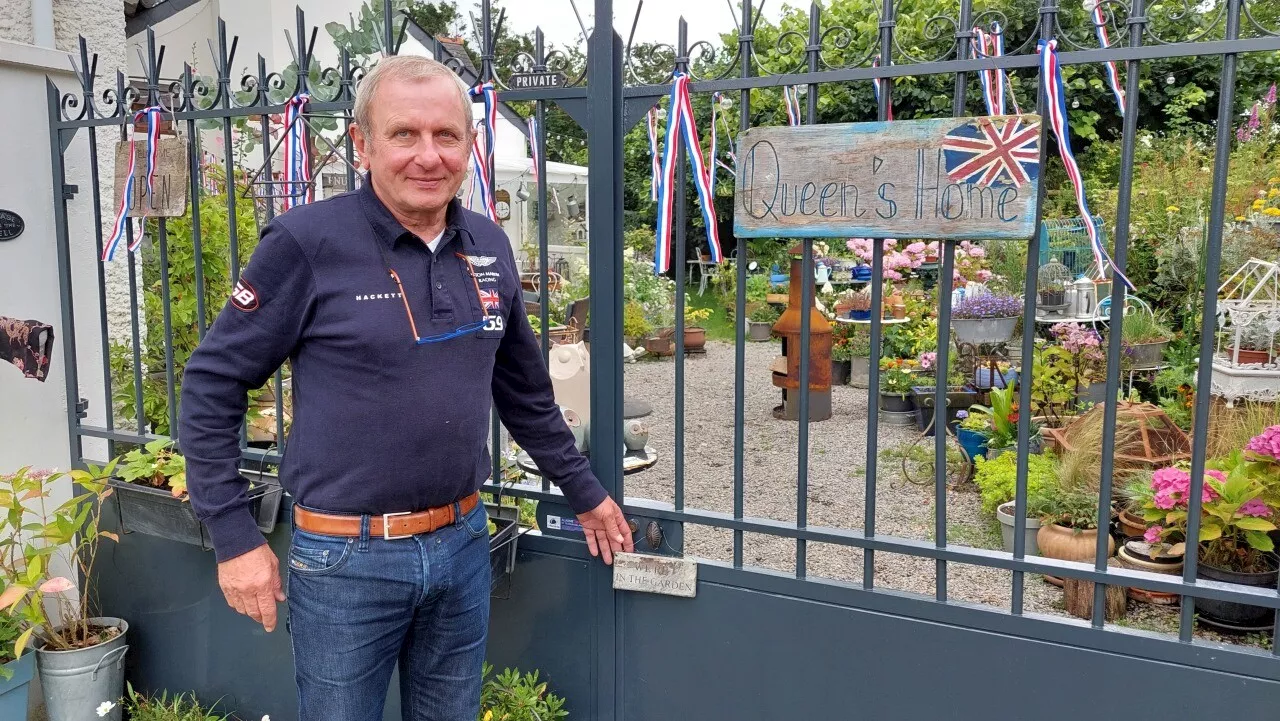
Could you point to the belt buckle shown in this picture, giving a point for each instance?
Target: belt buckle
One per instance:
(386, 526)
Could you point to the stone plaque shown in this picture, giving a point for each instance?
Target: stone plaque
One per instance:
(960, 178)
(655, 574)
(171, 182)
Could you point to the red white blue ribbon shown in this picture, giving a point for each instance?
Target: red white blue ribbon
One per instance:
(152, 114)
(996, 88)
(655, 180)
(298, 189)
(1113, 74)
(482, 158)
(533, 146)
(791, 96)
(1055, 97)
(681, 125)
(876, 85)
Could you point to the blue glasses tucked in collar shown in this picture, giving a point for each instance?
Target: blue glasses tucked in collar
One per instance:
(489, 321)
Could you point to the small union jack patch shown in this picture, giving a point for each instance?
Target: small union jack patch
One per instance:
(491, 299)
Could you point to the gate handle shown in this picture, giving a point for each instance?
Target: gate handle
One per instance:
(119, 653)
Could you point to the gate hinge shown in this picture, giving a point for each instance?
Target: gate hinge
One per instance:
(82, 408)
(69, 191)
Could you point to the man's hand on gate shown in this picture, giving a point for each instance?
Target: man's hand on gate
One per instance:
(606, 530)
(251, 583)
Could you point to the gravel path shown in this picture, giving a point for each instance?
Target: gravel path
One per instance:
(837, 489)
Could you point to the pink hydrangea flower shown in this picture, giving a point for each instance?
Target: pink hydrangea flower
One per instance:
(1255, 508)
(1153, 534)
(977, 251)
(1266, 444)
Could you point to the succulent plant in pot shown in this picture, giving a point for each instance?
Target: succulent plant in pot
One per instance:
(986, 318)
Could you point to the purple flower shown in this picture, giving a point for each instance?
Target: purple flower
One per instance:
(988, 305)
(1271, 95)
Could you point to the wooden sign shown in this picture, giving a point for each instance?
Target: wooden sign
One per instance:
(536, 81)
(171, 182)
(961, 178)
(655, 574)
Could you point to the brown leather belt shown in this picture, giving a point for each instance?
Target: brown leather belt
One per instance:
(387, 525)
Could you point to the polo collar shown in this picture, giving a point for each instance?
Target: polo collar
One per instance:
(390, 231)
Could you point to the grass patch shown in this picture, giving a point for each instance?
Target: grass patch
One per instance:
(718, 326)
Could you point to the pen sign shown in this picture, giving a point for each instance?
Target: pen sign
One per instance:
(655, 574)
(938, 178)
(170, 183)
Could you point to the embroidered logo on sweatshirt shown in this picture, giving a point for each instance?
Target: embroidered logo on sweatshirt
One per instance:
(244, 296)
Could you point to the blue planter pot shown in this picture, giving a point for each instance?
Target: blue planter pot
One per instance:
(974, 443)
(13, 693)
(985, 378)
(860, 314)
(862, 272)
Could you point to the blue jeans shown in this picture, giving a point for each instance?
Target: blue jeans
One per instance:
(359, 605)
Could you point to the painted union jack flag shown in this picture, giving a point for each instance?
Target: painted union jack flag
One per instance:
(490, 299)
(989, 151)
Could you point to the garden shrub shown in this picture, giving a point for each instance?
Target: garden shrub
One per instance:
(997, 479)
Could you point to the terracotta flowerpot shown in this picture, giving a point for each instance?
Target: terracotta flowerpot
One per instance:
(1131, 524)
(695, 338)
(1069, 544)
(899, 311)
(1248, 356)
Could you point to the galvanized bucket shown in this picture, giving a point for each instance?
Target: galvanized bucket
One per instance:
(76, 683)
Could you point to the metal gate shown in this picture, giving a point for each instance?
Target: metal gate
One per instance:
(754, 643)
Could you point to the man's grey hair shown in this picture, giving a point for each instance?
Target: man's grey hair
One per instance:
(405, 67)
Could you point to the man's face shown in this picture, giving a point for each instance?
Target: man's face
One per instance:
(419, 144)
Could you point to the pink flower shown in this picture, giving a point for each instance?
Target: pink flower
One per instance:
(1255, 508)
(1164, 500)
(1153, 534)
(984, 275)
(916, 248)
(977, 251)
(57, 584)
(1271, 95)
(1266, 444)
(928, 359)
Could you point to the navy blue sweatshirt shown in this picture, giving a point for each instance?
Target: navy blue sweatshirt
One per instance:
(380, 424)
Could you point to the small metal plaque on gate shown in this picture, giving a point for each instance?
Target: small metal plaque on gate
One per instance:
(655, 574)
(535, 81)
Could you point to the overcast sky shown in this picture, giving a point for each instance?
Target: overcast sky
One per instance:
(658, 19)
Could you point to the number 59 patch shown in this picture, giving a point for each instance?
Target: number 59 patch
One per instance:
(244, 297)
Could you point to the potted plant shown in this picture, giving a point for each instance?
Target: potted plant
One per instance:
(986, 318)
(760, 323)
(896, 381)
(973, 431)
(841, 358)
(1083, 359)
(80, 656)
(997, 478)
(958, 395)
(695, 336)
(1001, 419)
(635, 326)
(1253, 346)
(1068, 524)
(896, 305)
(1239, 500)
(1145, 339)
(860, 305)
(15, 673)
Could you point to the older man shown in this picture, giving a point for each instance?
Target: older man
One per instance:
(402, 315)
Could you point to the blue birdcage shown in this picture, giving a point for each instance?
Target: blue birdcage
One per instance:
(1067, 239)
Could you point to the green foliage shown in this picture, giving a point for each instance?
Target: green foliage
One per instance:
(31, 535)
(10, 630)
(156, 464)
(1070, 507)
(182, 707)
(510, 696)
(997, 478)
(634, 324)
(217, 260)
(1139, 327)
(764, 314)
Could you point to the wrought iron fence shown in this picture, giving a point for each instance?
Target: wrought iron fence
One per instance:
(607, 95)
